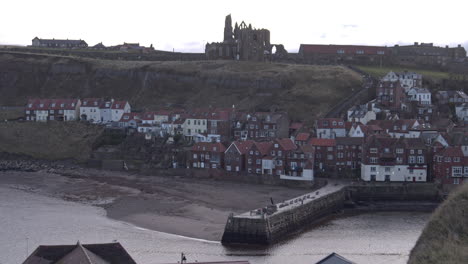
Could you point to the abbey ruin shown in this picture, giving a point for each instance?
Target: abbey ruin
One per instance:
(243, 43)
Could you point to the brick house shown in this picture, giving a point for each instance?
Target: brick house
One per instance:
(348, 155)
(257, 154)
(325, 155)
(235, 155)
(330, 128)
(394, 160)
(261, 126)
(300, 164)
(42, 110)
(219, 123)
(450, 166)
(207, 155)
(390, 94)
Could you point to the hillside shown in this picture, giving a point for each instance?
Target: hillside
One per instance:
(445, 238)
(303, 90)
(50, 141)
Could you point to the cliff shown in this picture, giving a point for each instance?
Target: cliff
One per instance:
(445, 238)
(305, 91)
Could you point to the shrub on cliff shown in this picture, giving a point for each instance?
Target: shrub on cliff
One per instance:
(445, 238)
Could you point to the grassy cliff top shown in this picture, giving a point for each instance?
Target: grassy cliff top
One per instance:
(445, 237)
(305, 91)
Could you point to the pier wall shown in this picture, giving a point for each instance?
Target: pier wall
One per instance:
(267, 229)
(264, 229)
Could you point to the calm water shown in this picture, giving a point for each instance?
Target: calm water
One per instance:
(28, 220)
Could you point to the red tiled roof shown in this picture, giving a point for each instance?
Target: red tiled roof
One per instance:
(91, 102)
(286, 144)
(450, 152)
(264, 147)
(347, 49)
(209, 146)
(52, 104)
(119, 105)
(303, 136)
(129, 116)
(296, 125)
(322, 142)
(243, 146)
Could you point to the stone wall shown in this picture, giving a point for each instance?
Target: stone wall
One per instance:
(266, 229)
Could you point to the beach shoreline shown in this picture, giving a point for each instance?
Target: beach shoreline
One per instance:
(193, 208)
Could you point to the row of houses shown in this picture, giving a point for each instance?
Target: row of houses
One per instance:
(91, 109)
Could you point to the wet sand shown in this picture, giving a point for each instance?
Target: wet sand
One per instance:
(183, 206)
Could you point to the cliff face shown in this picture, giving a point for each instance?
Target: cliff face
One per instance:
(303, 90)
(445, 238)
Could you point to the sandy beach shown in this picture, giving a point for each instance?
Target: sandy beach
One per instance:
(178, 205)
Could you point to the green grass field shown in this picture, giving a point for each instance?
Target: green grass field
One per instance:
(379, 72)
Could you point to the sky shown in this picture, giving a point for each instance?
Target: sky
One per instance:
(187, 25)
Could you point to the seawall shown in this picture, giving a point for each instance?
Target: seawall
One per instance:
(268, 225)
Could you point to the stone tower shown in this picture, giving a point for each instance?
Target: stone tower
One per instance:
(228, 29)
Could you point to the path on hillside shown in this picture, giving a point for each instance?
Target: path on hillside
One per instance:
(355, 98)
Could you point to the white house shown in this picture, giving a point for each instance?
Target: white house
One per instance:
(194, 125)
(361, 113)
(118, 108)
(461, 111)
(330, 128)
(357, 130)
(52, 110)
(90, 110)
(407, 80)
(421, 95)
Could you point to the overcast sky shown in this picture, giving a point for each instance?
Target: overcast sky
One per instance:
(186, 25)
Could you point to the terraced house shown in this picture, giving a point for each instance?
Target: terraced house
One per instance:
(394, 160)
(42, 110)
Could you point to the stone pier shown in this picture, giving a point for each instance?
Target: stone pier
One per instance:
(267, 225)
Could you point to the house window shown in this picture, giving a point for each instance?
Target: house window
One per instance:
(27, 112)
(456, 181)
(399, 160)
(373, 150)
(330, 157)
(273, 153)
(330, 148)
(456, 159)
(259, 161)
(251, 152)
(457, 171)
(412, 159)
(465, 172)
(279, 162)
(280, 153)
(412, 151)
(373, 160)
(256, 153)
(228, 168)
(373, 169)
(249, 161)
(399, 151)
(194, 156)
(340, 155)
(420, 159)
(387, 169)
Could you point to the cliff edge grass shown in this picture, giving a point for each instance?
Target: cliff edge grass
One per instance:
(51, 140)
(445, 237)
(305, 91)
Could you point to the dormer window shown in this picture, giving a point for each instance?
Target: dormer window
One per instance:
(95, 103)
(85, 103)
(334, 123)
(276, 145)
(30, 105)
(41, 105)
(61, 105)
(52, 105)
(117, 105)
(73, 104)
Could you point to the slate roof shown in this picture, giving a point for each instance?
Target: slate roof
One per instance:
(264, 147)
(80, 254)
(91, 102)
(62, 41)
(330, 123)
(243, 146)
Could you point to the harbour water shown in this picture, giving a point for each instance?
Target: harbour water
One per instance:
(29, 219)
